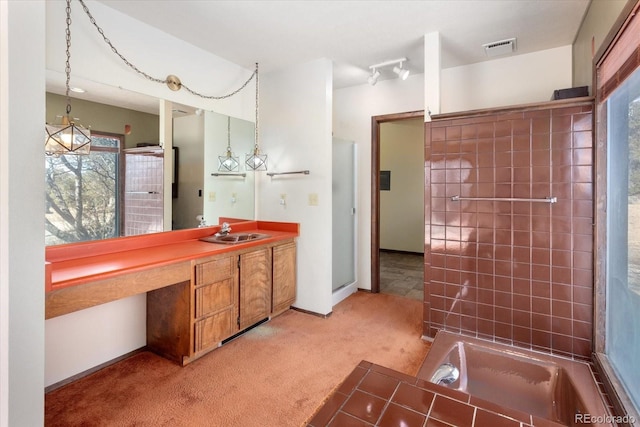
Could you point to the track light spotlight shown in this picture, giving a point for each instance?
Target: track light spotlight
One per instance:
(397, 68)
(373, 78)
(401, 72)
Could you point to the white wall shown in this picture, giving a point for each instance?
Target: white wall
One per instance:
(506, 81)
(519, 79)
(22, 117)
(352, 111)
(295, 131)
(114, 329)
(402, 207)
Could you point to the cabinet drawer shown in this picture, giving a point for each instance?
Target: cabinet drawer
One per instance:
(211, 330)
(214, 271)
(214, 297)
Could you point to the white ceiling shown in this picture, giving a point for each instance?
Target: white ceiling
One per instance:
(356, 34)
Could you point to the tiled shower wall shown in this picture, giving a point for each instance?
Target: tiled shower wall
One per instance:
(518, 272)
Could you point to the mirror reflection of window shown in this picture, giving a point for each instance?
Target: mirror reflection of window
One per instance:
(143, 208)
(82, 198)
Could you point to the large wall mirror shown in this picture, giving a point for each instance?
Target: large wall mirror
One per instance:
(118, 191)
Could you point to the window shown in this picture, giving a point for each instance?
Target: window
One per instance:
(82, 199)
(617, 213)
(623, 233)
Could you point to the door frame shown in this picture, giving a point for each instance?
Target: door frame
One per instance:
(376, 121)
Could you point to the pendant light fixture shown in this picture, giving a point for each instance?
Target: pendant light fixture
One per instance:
(228, 163)
(256, 161)
(67, 137)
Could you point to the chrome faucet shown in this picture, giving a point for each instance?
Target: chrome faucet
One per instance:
(446, 373)
(224, 230)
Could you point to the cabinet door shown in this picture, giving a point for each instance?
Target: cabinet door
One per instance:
(255, 287)
(284, 277)
(213, 329)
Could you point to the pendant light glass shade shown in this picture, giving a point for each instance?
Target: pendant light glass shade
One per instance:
(67, 138)
(228, 163)
(256, 161)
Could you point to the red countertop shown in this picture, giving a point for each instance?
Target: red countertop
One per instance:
(79, 263)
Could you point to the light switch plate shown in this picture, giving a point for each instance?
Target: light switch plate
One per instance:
(313, 199)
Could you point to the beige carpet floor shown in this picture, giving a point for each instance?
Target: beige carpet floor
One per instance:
(275, 375)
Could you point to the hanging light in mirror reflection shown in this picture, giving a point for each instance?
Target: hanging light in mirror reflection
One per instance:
(67, 137)
(256, 161)
(228, 163)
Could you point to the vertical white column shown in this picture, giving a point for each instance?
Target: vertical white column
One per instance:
(166, 142)
(22, 118)
(431, 75)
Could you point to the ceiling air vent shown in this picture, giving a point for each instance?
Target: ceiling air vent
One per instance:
(501, 47)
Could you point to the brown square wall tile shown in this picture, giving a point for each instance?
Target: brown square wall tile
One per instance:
(489, 419)
(364, 406)
(352, 380)
(378, 384)
(396, 415)
(394, 374)
(345, 420)
(324, 415)
(435, 423)
(452, 411)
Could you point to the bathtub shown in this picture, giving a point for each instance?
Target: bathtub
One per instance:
(554, 388)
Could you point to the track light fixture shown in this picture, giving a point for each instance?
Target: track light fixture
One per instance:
(403, 73)
(373, 78)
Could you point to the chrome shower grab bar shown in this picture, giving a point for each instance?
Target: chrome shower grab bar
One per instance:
(306, 172)
(229, 174)
(505, 199)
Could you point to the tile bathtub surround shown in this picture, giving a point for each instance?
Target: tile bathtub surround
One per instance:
(515, 272)
(373, 395)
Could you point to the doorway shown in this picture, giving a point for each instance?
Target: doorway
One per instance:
(376, 188)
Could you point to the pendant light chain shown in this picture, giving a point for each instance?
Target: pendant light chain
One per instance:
(228, 134)
(257, 93)
(155, 79)
(67, 67)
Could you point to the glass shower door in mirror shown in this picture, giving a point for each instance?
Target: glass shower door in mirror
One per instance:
(343, 197)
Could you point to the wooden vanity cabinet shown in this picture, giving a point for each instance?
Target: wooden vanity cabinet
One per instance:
(227, 294)
(284, 277)
(255, 287)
